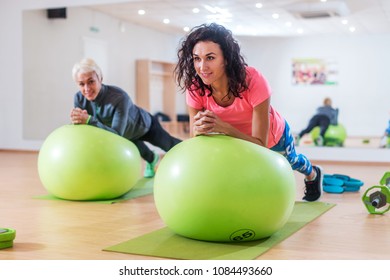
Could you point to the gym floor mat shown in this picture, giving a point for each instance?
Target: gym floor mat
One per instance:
(166, 244)
(143, 187)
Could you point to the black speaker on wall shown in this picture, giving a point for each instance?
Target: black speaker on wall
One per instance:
(56, 13)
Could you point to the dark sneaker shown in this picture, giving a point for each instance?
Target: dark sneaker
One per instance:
(314, 188)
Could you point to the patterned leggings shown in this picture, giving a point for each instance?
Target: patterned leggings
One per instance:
(286, 147)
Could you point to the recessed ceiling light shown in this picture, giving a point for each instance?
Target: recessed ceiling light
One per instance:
(218, 14)
(352, 29)
(195, 10)
(344, 21)
(259, 5)
(186, 29)
(166, 21)
(275, 15)
(299, 30)
(141, 12)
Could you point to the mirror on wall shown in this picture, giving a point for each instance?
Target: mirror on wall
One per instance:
(59, 44)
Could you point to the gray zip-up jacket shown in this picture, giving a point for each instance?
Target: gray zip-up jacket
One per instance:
(113, 110)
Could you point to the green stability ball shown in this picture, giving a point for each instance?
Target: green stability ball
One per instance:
(223, 189)
(83, 162)
(335, 135)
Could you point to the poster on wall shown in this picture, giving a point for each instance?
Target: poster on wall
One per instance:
(314, 71)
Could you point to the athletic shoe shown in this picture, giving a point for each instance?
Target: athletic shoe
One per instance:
(314, 188)
(150, 167)
(319, 141)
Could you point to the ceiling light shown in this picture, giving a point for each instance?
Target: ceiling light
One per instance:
(344, 21)
(259, 5)
(218, 14)
(186, 29)
(195, 10)
(323, 0)
(141, 12)
(299, 30)
(210, 9)
(166, 21)
(352, 29)
(275, 15)
(218, 10)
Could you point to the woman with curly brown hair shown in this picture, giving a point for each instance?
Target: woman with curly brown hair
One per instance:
(225, 95)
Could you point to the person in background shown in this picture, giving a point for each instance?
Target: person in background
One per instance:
(110, 108)
(225, 95)
(325, 115)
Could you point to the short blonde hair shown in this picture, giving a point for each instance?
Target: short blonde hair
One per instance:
(86, 65)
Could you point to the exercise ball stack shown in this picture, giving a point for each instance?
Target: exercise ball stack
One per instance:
(83, 162)
(222, 189)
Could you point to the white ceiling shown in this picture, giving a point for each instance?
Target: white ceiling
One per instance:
(243, 18)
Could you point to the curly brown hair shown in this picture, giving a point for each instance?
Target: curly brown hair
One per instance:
(185, 74)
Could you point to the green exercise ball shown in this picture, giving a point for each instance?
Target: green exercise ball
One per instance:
(335, 135)
(83, 162)
(223, 189)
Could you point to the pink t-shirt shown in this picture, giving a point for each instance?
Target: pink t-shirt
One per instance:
(239, 114)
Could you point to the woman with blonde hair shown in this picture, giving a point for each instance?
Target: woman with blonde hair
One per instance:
(110, 108)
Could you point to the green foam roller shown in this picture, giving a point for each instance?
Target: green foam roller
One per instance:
(6, 244)
(7, 237)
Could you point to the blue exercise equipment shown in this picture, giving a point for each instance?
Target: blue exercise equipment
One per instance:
(339, 183)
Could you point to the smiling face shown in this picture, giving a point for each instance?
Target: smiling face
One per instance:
(89, 84)
(209, 63)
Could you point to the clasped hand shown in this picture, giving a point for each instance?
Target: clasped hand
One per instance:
(78, 116)
(206, 122)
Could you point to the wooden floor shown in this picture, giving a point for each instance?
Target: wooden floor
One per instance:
(63, 230)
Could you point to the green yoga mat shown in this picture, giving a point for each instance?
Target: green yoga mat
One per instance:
(164, 243)
(143, 187)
